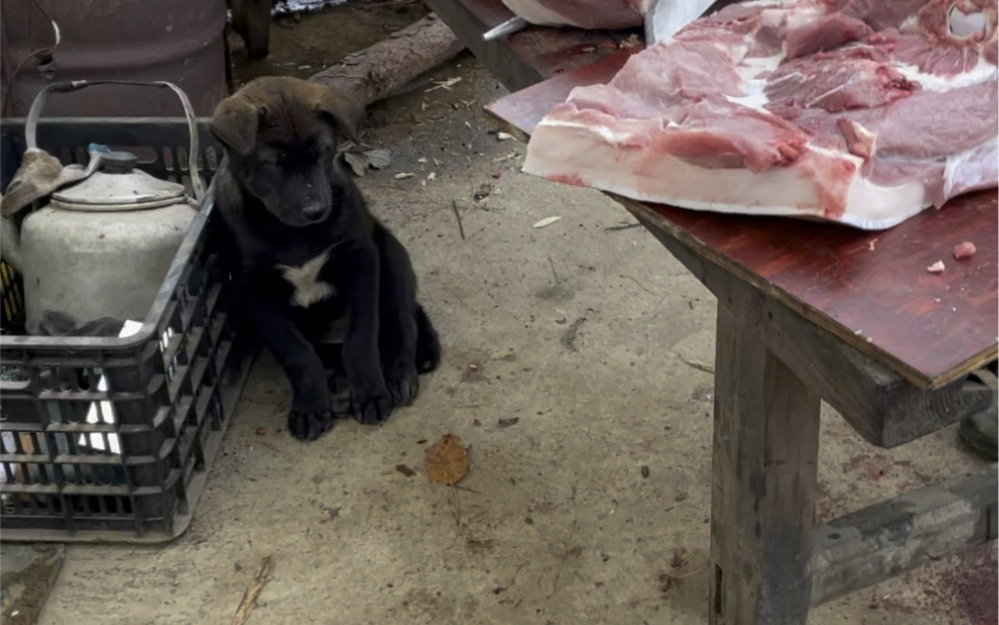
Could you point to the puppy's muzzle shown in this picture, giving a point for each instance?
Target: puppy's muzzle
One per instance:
(314, 211)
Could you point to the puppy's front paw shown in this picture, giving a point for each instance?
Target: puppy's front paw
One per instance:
(370, 408)
(309, 422)
(403, 387)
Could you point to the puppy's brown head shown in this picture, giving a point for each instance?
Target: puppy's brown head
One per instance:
(280, 135)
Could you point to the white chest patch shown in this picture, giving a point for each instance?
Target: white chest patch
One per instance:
(308, 288)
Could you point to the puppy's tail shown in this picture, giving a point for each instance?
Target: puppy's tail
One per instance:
(428, 344)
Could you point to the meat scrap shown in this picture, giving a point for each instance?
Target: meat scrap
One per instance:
(866, 114)
(964, 250)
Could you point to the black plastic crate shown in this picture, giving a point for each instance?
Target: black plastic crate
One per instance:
(112, 439)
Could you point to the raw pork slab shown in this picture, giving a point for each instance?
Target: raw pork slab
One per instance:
(859, 111)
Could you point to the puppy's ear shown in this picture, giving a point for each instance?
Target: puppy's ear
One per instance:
(345, 116)
(235, 123)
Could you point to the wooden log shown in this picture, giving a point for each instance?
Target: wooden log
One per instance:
(897, 535)
(764, 462)
(378, 72)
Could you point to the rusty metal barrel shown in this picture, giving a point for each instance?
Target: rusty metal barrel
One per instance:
(179, 41)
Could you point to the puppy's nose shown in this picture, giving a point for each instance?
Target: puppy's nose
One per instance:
(312, 210)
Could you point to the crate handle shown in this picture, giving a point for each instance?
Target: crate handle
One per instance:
(31, 125)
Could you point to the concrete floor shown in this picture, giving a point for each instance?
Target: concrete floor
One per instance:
(583, 334)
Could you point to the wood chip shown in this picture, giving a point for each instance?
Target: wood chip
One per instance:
(446, 461)
(252, 592)
(700, 366)
(547, 221)
(445, 84)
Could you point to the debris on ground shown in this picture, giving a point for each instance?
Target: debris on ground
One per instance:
(547, 221)
(964, 250)
(645, 471)
(669, 579)
(625, 225)
(29, 573)
(252, 592)
(445, 84)
(401, 468)
(503, 136)
(505, 423)
(485, 190)
(457, 215)
(361, 157)
(700, 366)
(402, 176)
(936, 267)
(446, 461)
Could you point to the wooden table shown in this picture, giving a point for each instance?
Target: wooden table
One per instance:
(806, 311)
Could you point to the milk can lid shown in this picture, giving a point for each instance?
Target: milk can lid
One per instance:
(118, 186)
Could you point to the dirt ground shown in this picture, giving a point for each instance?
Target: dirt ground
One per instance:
(567, 369)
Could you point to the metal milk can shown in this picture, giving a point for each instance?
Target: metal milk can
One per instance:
(102, 247)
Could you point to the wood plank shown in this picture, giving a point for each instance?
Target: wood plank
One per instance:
(897, 535)
(884, 408)
(766, 441)
(527, 57)
(869, 289)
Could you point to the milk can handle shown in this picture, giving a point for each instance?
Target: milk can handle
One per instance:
(31, 125)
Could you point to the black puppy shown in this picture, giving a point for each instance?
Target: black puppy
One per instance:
(313, 257)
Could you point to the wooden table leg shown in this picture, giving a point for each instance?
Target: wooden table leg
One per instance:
(765, 455)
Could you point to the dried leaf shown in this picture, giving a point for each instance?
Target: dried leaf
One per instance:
(546, 222)
(446, 460)
(379, 159)
(357, 162)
